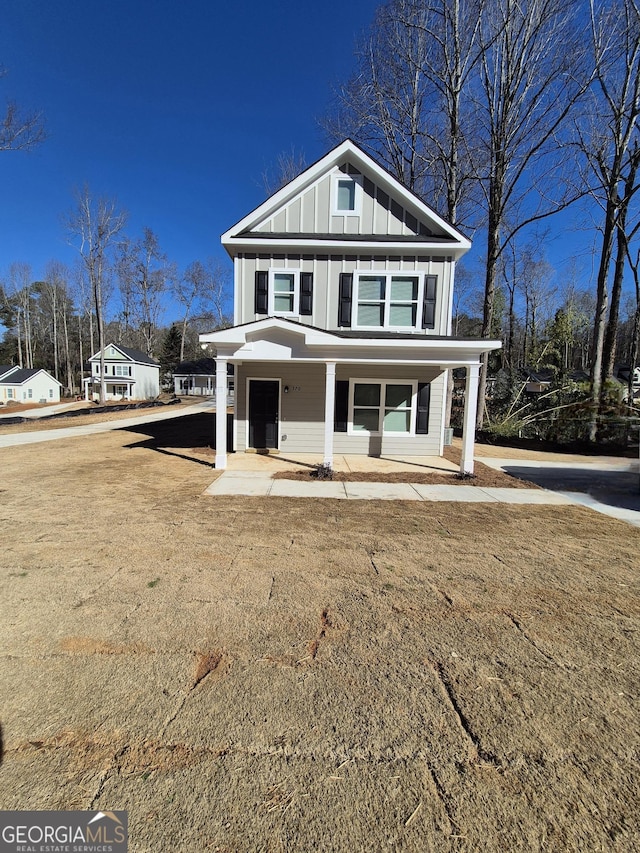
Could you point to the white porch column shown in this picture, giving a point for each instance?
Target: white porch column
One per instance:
(329, 407)
(221, 412)
(469, 420)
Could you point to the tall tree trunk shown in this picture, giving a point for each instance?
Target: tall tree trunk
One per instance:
(600, 319)
(611, 332)
(67, 355)
(493, 251)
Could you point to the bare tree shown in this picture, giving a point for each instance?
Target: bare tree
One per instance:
(384, 103)
(288, 165)
(608, 145)
(19, 130)
(202, 290)
(57, 305)
(533, 74)
(21, 297)
(144, 274)
(93, 226)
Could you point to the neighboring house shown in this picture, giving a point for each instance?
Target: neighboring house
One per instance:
(28, 385)
(129, 375)
(198, 378)
(342, 337)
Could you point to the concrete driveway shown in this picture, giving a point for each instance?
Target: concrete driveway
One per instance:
(610, 485)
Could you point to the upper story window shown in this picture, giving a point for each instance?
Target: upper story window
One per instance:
(347, 195)
(284, 292)
(122, 370)
(395, 301)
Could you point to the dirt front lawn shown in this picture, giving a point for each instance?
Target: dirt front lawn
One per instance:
(270, 674)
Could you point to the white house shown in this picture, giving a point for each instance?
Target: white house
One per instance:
(129, 375)
(28, 385)
(343, 286)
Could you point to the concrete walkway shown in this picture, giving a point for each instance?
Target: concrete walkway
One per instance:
(42, 412)
(262, 484)
(608, 485)
(20, 438)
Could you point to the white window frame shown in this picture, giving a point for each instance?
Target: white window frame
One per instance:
(388, 275)
(382, 383)
(296, 292)
(122, 370)
(356, 180)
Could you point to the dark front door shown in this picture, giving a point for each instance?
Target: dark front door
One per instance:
(263, 413)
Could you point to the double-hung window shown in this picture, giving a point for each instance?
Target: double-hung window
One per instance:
(382, 408)
(284, 292)
(386, 301)
(122, 370)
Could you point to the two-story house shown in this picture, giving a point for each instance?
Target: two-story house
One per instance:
(343, 286)
(128, 374)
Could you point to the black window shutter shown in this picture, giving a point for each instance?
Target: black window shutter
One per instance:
(344, 306)
(262, 292)
(429, 302)
(306, 293)
(341, 406)
(422, 419)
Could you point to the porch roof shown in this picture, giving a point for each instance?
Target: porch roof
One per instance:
(278, 339)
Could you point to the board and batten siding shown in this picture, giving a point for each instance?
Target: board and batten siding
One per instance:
(311, 212)
(301, 421)
(326, 271)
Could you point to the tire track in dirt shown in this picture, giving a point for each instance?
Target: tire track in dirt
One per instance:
(516, 624)
(476, 751)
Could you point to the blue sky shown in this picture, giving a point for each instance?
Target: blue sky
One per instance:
(176, 109)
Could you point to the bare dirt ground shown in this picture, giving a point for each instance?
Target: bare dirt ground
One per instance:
(265, 674)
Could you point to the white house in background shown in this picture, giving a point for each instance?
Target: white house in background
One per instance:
(129, 375)
(28, 385)
(343, 288)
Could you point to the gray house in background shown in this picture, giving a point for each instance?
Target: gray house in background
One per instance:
(198, 378)
(343, 287)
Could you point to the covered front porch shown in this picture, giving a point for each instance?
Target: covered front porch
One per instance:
(338, 395)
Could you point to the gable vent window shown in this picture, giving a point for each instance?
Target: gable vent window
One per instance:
(347, 195)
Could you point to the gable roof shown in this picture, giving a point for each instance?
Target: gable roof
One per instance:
(132, 354)
(442, 235)
(23, 374)
(7, 368)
